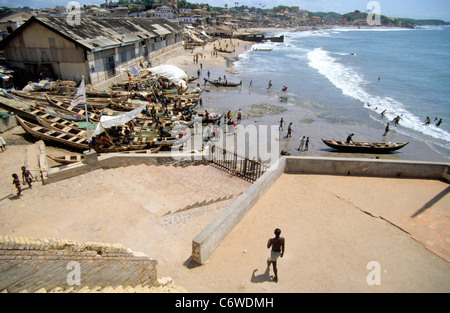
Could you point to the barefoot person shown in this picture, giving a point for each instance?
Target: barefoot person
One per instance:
(277, 244)
(17, 184)
(27, 178)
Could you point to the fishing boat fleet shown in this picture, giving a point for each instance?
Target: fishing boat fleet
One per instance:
(145, 114)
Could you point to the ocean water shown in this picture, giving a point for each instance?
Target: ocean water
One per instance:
(340, 80)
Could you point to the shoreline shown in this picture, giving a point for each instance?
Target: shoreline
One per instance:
(220, 100)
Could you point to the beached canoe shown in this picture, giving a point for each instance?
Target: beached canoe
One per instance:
(223, 50)
(222, 83)
(365, 147)
(70, 159)
(49, 134)
(74, 141)
(67, 159)
(69, 109)
(171, 141)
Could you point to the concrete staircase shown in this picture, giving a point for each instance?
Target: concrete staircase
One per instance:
(187, 187)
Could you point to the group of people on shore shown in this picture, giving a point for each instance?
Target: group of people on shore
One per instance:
(304, 141)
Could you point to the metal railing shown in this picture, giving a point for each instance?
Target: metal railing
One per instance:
(237, 165)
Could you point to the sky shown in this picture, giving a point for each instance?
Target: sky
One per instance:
(425, 9)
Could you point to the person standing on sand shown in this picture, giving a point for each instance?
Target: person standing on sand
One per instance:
(280, 128)
(306, 144)
(27, 178)
(302, 142)
(278, 247)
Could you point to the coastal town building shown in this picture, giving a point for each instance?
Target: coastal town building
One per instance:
(96, 48)
(10, 21)
(165, 12)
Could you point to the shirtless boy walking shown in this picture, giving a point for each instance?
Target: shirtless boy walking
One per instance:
(277, 244)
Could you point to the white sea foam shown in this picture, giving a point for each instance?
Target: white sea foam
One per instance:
(369, 29)
(353, 85)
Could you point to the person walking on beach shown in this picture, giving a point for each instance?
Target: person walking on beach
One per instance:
(302, 142)
(278, 248)
(280, 128)
(306, 144)
(27, 178)
(289, 131)
(17, 184)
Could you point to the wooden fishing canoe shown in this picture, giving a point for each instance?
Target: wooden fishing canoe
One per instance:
(70, 159)
(222, 83)
(365, 147)
(49, 134)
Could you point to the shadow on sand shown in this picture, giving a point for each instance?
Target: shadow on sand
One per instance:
(433, 201)
(262, 277)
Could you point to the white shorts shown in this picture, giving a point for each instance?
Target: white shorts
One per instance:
(274, 255)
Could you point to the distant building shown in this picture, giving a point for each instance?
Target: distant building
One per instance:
(165, 12)
(315, 19)
(95, 49)
(119, 12)
(10, 21)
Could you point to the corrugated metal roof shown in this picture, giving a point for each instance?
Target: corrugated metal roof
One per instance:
(98, 33)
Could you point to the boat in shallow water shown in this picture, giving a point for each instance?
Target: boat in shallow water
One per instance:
(365, 147)
(222, 83)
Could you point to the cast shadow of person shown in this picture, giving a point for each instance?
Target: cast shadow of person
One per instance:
(261, 277)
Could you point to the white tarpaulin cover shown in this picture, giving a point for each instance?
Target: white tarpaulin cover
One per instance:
(173, 73)
(110, 121)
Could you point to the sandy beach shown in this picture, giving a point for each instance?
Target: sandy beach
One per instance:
(334, 226)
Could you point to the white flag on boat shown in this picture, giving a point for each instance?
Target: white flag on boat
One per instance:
(80, 96)
(110, 121)
(135, 70)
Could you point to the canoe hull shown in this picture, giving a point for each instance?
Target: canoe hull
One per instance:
(365, 147)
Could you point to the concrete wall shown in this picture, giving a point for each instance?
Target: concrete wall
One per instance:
(366, 167)
(114, 160)
(207, 240)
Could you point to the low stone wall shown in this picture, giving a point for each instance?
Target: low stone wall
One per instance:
(367, 167)
(114, 160)
(29, 264)
(207, 240)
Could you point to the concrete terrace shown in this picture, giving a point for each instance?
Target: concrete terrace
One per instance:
(337, 216)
